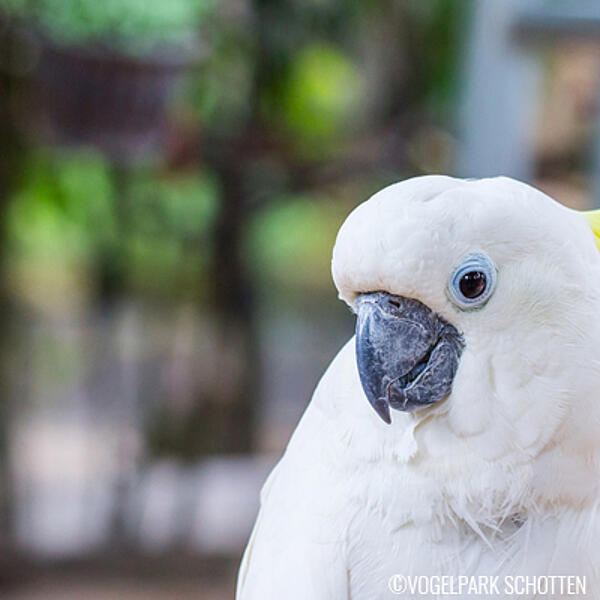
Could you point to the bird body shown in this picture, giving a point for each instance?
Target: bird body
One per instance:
(501, 477)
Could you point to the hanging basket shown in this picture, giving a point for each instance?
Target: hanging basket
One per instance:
(102, 98)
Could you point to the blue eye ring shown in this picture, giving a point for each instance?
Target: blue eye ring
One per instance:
(473, 281)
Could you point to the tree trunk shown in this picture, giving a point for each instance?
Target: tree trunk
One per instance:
(11, 151)
(235, 313)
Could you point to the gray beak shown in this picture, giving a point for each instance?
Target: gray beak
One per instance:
(407, 355)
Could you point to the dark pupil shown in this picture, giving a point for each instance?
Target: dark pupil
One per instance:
(472, 284)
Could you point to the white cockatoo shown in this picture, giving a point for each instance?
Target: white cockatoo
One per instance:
(458, 432)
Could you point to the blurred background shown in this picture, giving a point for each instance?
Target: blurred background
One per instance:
(172, 177)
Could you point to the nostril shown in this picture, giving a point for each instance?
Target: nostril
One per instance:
(394, 303)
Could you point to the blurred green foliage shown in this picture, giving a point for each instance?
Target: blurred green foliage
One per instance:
(321, 95)
(443, 25)
(296, 68)
(290, 243)
(65, 219)
(130, 25)
(69, 216)
(167, 239)
(218, 97)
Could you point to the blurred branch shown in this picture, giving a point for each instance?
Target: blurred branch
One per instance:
(376, 154)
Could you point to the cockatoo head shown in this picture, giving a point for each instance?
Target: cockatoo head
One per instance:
(476, 300)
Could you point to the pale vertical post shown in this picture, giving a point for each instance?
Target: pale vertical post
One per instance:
(498, 110)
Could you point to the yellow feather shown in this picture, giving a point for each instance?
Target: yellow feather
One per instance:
(593, 216)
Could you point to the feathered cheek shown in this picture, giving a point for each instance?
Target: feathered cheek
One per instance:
(472, 392)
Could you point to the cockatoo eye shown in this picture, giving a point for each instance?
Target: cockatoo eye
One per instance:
(472, 282)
